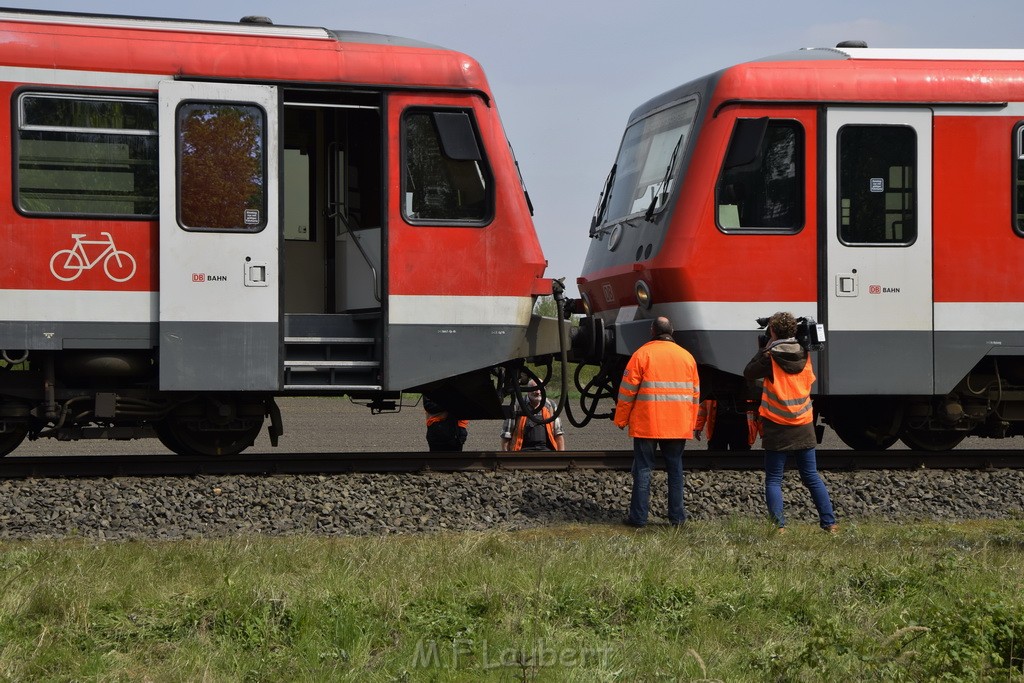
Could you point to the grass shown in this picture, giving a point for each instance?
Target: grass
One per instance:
(726, 601)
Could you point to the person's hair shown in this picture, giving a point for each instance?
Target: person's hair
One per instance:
(661, 326)
(784, 325)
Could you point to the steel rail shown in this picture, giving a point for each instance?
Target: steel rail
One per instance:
(15, 467)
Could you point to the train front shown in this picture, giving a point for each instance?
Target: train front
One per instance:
(643, 260)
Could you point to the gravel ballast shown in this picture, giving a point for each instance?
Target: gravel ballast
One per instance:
(362, 504)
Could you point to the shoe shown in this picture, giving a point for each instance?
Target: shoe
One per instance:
(832, 529)
(626, 521)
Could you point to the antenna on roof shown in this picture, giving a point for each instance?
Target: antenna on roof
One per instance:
(852, 43)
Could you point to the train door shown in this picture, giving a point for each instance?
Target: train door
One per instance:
(878, 235)
(333, 225)
(219, 301)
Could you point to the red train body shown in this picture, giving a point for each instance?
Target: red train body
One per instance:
(880, 192)
(197, 217)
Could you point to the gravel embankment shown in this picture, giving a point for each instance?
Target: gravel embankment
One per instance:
(359, 504)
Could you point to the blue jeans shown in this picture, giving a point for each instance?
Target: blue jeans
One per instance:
(774, 463)
(643, 463)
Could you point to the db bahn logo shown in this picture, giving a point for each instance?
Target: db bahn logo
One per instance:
(879, 289)
(875, 289)
(208, 277)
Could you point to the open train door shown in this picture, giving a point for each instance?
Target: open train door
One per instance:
(878, 234)
(219, 312)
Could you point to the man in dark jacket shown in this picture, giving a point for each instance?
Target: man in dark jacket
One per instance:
(788, 418)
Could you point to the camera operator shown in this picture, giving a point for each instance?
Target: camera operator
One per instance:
(787, 417)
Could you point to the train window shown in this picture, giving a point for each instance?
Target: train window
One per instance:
(446, 177)
(86, 155)
(877, 184)
(221, 167)
(647, 164)
(1018, 178)
(762, 182)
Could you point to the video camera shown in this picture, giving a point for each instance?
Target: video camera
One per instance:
(809, 334)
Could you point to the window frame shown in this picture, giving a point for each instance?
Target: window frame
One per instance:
(485, 168)
(17, 126)
(800, 159)
(915, 157)
(600, 220)
(264, 167)
(1017, 178)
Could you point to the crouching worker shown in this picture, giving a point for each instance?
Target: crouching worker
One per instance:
(726, 429)
(443, 432)
(522, 434)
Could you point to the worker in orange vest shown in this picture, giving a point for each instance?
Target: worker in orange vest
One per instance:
(727, 429)
(443, 432)
(658, 399)
(788, 418)
(519, 433)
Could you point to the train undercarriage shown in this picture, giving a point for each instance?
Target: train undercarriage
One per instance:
(72, 395)
(103, 395)
(989, 403)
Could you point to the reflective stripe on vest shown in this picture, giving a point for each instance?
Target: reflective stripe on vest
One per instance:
(786, 399)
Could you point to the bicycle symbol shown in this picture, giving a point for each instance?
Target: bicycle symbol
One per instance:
(68, 264)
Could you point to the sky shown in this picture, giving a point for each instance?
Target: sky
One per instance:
(566, 74)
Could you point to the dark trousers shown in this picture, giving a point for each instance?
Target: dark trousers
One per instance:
(446, 435)
(731, 432)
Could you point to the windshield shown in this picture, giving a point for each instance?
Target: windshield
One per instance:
(648, 162)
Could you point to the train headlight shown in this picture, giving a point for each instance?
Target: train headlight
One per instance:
(643, 294)
(585, 302)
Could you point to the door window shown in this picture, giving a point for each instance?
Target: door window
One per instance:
(877, 185)
(221, 167)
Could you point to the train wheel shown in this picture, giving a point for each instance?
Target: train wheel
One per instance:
(932, 439)
(12, 438)
(866, 425)
(182, 438)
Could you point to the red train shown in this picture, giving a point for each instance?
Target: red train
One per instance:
(196, 217)
(880, 192)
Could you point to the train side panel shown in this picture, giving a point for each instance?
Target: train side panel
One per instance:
(979, 251)
(198, 217)
(905, 243)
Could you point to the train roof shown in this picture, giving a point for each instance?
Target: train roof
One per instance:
(74, 40)
(249, 26)
(903, 54)
(859, 75)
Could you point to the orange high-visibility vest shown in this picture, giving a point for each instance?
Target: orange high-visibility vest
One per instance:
(786, 399)
(660, 392)
(520, 429)
(709, 411)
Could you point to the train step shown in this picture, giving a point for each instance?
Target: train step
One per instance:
(332, 364)
(337, 352)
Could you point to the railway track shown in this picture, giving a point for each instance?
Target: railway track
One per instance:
(15, 467)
